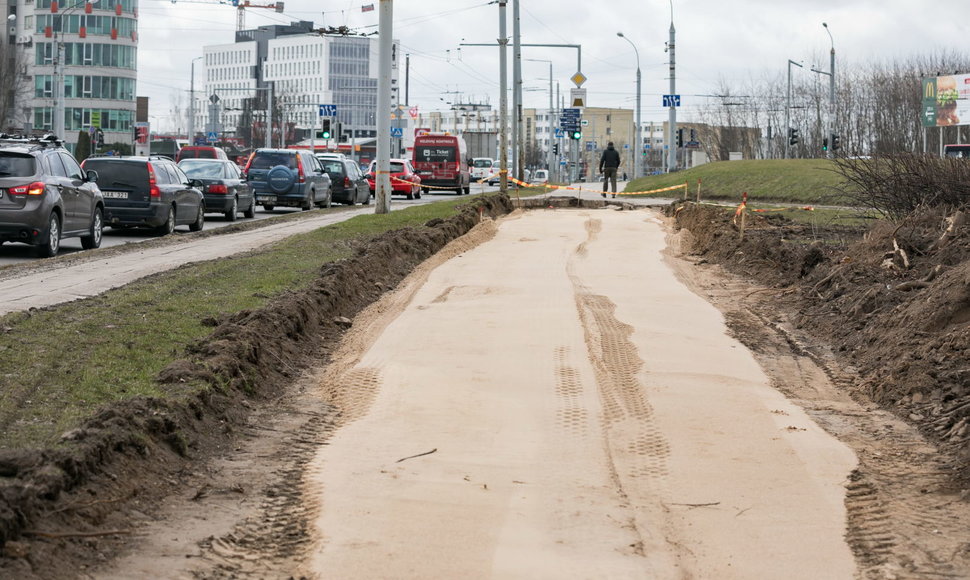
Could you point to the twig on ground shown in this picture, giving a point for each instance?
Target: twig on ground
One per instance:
(418, 455)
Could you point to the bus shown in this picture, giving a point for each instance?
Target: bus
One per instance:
(440, 160)
(961, 151)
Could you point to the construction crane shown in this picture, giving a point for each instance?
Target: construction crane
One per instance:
(241, 6)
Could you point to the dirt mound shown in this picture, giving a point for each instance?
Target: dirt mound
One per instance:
(892, 302)
(130, 452)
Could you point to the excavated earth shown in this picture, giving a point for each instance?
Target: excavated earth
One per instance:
(885, 312)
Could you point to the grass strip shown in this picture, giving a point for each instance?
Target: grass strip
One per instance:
(60, 364)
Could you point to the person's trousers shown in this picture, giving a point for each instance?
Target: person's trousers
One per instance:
(609, 176)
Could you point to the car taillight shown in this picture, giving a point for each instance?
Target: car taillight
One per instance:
(300, 177)
(35, 188)
(218, 188)
(152, 184)
(346, 182)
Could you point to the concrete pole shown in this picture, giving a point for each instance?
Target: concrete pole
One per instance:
(269, 115)
(503, 99)
(788, 126)
(550, 158)
(638, 147)
(385, 38)
(672, 121)
(191, 128)
(517, 128)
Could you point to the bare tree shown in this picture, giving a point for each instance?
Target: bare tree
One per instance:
(15, 92)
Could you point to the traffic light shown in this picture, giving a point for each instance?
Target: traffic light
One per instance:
(836, 142)
(680, 137)
(825, 144)
(325, 129)
(793, 136)
(693, 135)
(577, 135)
(555, 148)
(99, 139)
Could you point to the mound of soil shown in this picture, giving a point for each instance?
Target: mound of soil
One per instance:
(891, 302)
(131, 453)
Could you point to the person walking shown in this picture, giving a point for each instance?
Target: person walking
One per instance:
(609, 163)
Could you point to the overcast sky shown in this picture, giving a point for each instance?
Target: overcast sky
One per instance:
(717, 40)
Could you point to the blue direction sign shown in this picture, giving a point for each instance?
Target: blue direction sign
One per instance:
(328, 110)
(671, 100)
(571, 112)
(397, 132)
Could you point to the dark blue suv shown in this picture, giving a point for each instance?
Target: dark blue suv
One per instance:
(288, 177)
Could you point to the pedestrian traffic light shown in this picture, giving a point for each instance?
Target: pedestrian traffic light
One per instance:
(825, 144)
(680, 137)
(793, 136)
(836, 142)
(325, 129)
(99, 138)
(576, 134)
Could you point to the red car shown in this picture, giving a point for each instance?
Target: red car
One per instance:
(403, 179)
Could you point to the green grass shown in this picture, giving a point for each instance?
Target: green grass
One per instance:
(58, 365)
(807, 181)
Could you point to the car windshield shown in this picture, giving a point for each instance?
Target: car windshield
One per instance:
(269, 159)
(331, 166)
(16, 165)
(202, 170)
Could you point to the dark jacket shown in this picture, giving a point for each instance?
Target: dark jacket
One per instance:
(610, 158)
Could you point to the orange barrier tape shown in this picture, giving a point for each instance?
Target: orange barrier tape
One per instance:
(804, 208)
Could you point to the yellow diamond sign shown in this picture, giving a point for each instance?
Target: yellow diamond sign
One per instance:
(578, 79)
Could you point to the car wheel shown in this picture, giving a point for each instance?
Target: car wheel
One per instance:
(199, 222)
(458, 191)
(409, 195)
(468, 189)
(93, 240)
(329, 202)
(417, 194)
(309, 202)
(367, 200)
(233, 211)
(168, 227)
(48, 248)
(424, 190)
(250, 211)
(268, 207)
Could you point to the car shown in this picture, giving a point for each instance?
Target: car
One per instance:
(200, 152)
(223, 187)
(404, 180)
(288, 177)
(496, 174)
(330, 155)
(481, 167)
(148, 192)
(45, 195)
(541, 176)
(348, 184)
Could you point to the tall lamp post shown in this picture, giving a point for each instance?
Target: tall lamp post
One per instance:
(672, 119)
(788, 127)
(58, 121)
(831, 91)
(191, 130)
(638, 148)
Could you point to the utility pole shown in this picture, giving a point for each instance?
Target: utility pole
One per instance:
(191, 129)
(831, 151)
(385, 34)
(672, 121)
(517, 127)
(503, 68)
(788, 126)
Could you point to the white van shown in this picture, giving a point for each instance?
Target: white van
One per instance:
(541, 176)
(481, 167)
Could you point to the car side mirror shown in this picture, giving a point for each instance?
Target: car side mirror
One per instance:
(91, 176)
(196, 183)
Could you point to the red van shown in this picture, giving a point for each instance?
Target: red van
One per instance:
(201, 152)
(441, 160)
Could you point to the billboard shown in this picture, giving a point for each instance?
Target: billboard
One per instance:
(946, 101)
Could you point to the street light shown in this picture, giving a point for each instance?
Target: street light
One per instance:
(788, 126)
(58, 121)
(638, 149)
(831, 86)
(191, 130)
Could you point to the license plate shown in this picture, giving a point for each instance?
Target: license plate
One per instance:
(115, 194)
(265, 198)
(3, 192)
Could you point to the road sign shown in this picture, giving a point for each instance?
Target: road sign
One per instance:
(671, 100)
(328, 110)
(212, 136)
(572, 113)
(577, 97)
(559, 133)
(578, 79)
(397, 132)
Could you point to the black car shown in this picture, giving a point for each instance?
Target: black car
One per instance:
(148, 192)
(288, 177)
(46, 196)
(224, 188)
(348, 183)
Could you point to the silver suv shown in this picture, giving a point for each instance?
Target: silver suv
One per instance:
(46, 196)
(288, 177)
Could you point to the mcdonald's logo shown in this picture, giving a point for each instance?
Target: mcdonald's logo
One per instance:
(929, 88)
